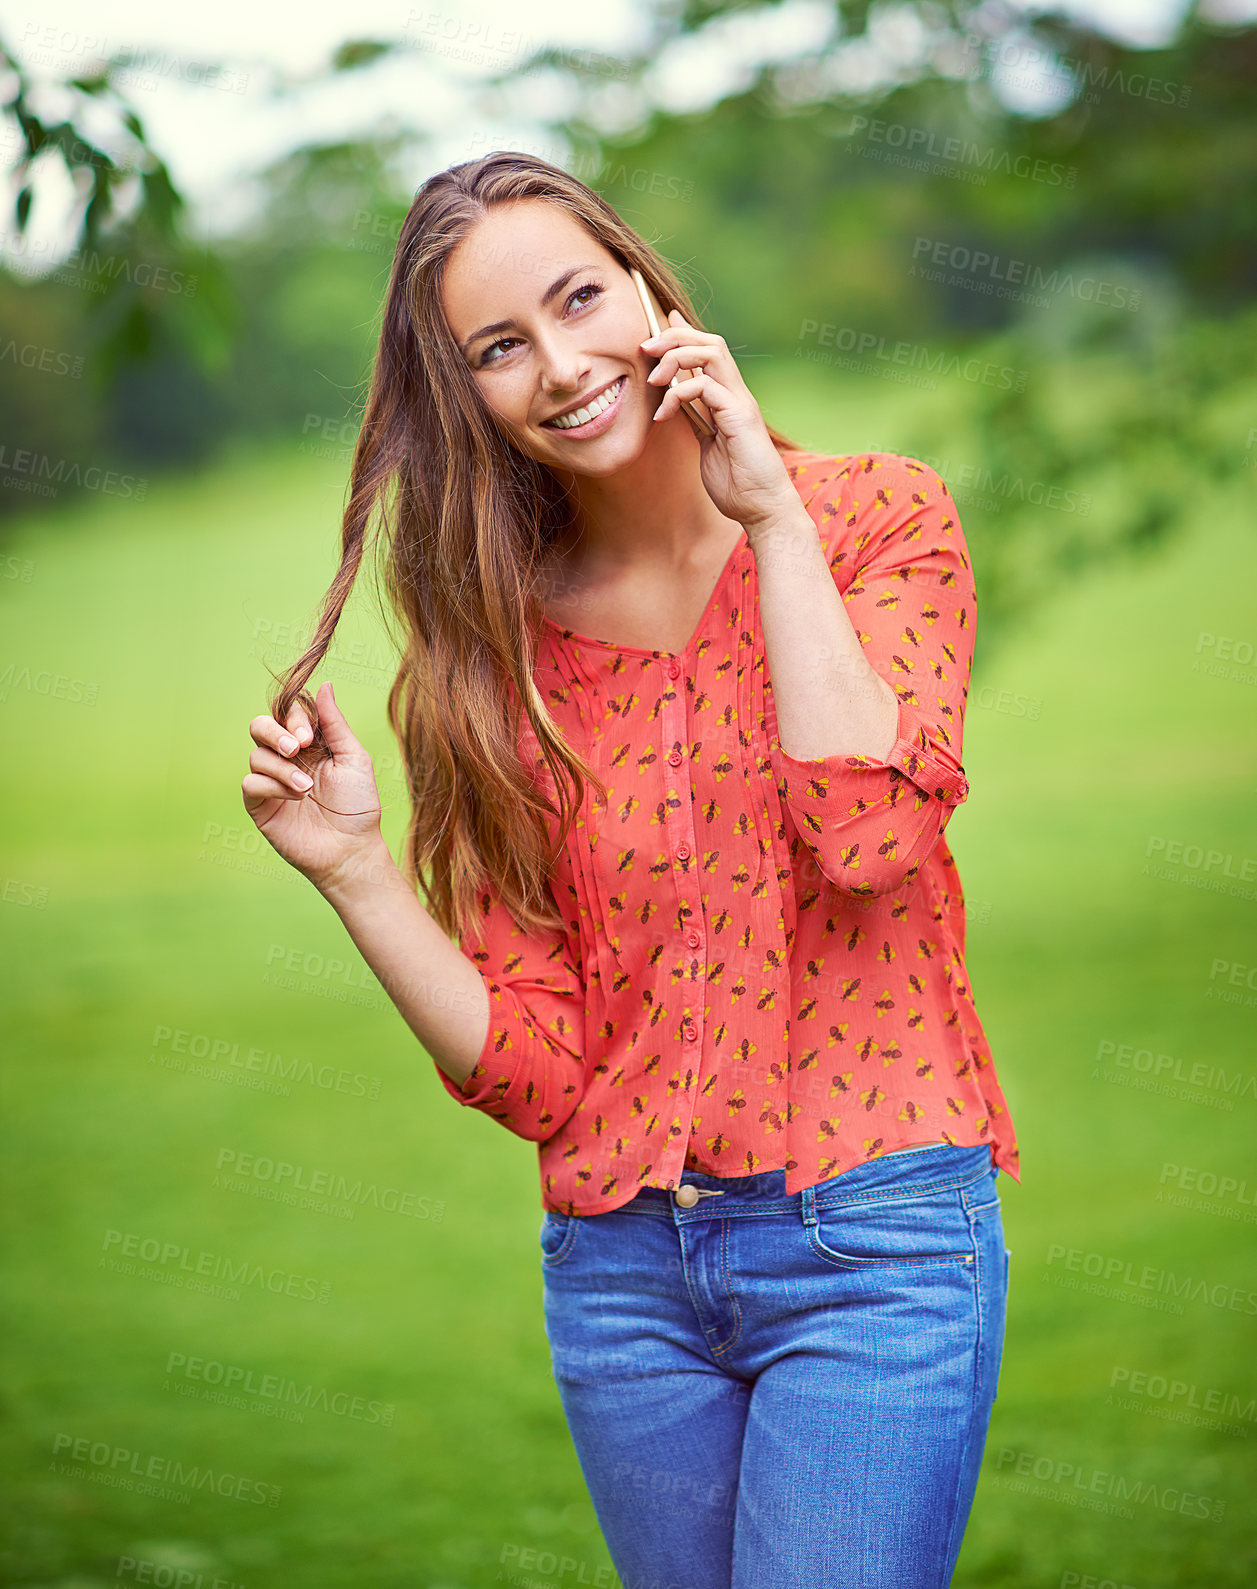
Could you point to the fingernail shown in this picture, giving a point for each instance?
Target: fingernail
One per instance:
(287, 744)
(301, 781)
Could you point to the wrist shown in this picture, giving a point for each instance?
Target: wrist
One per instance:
(361, 872)
(784, 518)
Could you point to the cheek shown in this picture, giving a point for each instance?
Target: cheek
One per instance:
(508, 406)
(503, 397)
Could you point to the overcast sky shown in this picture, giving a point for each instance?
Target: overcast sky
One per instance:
(213, 135)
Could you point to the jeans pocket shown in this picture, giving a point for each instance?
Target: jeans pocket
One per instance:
(930, 1230)
(557, 1233)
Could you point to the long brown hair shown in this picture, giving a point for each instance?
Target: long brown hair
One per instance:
(467, 519)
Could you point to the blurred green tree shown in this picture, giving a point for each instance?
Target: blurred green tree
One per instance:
(960, 182)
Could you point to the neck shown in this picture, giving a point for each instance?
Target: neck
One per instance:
(653, 516)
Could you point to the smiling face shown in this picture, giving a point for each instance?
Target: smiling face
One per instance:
(549, 323)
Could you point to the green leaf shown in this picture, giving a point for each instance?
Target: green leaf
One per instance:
(359, 52)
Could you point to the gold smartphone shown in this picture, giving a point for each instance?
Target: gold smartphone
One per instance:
(697, 412)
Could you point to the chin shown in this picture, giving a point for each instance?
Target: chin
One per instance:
(624, 456)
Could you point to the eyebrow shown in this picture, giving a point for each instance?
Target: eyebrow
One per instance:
(556, 286)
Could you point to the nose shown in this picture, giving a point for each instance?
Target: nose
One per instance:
(562, 367)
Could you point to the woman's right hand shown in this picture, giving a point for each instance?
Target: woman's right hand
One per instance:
(323, 826)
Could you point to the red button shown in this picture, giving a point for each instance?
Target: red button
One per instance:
(674, 758)
(674, 670)
(693, 940)
(683, 852)
(691, 1034)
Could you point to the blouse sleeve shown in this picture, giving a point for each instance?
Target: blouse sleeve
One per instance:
(871, 824)
(530, 1073)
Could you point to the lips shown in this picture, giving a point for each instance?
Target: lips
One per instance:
(581, 413)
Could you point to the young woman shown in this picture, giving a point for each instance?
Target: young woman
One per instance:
(682, 720)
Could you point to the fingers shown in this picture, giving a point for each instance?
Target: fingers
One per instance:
(700, 386)
(682, 361)
(287, 740)
(267, 731)
(291, 780)
(677, 322)
(298, 723)
(340, 738)
(679, 331)
(681, 366)
(257, 788)
(674, 360)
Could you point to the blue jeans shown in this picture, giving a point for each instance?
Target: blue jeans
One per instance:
(772, 1392)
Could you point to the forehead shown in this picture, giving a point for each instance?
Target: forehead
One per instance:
(509, 257)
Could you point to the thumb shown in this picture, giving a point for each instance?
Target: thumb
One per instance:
(340, 738)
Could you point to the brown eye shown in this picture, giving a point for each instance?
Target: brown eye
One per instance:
(590, 286)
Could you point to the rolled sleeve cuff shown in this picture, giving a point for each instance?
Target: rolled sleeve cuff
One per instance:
(911, 754)
(492, 1078)
(499, 1083)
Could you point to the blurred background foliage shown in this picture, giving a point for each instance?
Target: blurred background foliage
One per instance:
(793, 201)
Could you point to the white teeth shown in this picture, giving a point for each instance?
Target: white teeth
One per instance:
(582, 416)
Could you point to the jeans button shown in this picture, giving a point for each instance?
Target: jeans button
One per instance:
(687, 1196)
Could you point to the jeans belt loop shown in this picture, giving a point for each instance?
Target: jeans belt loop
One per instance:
(809, 1205)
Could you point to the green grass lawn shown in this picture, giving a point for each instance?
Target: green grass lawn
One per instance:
(146, 934)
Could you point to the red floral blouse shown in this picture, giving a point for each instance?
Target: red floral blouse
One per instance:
(763, 960)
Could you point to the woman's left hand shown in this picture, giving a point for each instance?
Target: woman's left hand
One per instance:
(741, 468)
